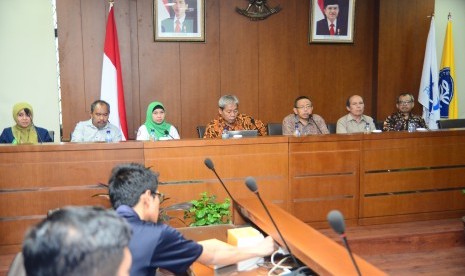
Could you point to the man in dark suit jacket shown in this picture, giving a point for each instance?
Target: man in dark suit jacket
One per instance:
(183, 24)
(324, 26)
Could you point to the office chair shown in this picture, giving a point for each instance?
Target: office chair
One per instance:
(451, 123)
(275, 129)
(201, 131)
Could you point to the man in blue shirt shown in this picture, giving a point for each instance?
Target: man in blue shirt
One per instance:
(134, 194)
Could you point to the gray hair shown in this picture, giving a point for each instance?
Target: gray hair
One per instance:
(227, 99)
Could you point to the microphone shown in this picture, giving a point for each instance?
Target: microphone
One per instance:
(252, 185)
(310, 118)
(209, 163)
(252, 120)
(28, 113)
(336, 220)
(168, 134)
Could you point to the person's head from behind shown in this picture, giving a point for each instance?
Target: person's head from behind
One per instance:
(405, 103)
(355, 105)
(228, 108)
(99, 113)
(156, 112)
(303, 107)
(331, 9)
(78, 241)
(180, 7)
(137, 187)
(22, 114)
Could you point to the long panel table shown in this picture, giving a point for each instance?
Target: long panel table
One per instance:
(371, 179)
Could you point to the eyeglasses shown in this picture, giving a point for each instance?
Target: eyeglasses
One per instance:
(161, 196)
(305, 107)
(404, 102)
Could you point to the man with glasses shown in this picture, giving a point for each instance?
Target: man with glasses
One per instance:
(96, 128)
(230, 119)
(400, 120)
(303, 120)
(134, 194)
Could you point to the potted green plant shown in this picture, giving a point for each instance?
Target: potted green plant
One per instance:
(206, 211)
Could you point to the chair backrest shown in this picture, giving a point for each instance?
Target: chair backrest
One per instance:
(52, 134)
(201, 131)
(451, 123)
(331, 127)
(275, 129)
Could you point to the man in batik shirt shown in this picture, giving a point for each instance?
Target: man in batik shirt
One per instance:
(399, 121)
(229, 119)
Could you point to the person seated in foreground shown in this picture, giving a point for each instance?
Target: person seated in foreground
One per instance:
(155, 125)
(24, 131)
(303, 119)
(134, 194)
(95, 129)
(400, 120)
(78, 241)
(355, 121)
(230, 119)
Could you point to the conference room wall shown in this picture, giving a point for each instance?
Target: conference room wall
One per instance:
(28, 71)
(266, 63)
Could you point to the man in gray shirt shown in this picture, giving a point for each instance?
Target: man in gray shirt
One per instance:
(95, 129)
(355, 120)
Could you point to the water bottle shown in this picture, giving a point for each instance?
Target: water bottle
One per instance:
(297, 131)
(108, 137)
(367, 128)
(225, 134)
(412, 127)
(153, 137)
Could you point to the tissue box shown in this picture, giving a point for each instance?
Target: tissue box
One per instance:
(245, 237)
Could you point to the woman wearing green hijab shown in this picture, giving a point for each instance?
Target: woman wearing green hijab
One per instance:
(24, 132)
(155, 126)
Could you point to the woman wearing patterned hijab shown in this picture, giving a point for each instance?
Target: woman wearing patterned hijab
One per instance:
(24, 132)
(155, 126)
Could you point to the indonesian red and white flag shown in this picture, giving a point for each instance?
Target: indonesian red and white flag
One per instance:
(319, 11)
(112, 77)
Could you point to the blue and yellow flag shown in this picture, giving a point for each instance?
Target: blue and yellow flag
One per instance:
(447, 87)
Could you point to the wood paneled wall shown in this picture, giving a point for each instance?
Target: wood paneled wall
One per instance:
(267, 64)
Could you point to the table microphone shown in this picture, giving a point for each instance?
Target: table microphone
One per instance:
(209, 163)
(168, 134)
(336, 220)
(252, 185)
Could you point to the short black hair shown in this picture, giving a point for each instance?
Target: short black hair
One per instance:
(348, 100)
(412, 98)
(76, 241)
(128, 182)
(94, 104)
(300, 98)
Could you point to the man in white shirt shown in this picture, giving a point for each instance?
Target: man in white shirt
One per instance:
(96, 128)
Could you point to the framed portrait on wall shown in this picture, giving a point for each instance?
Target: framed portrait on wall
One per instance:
(179, 20)
(331, 21)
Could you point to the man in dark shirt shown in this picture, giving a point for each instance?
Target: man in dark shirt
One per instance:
(134, 194)
(331, 24)
(399, 120)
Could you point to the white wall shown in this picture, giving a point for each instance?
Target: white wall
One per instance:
(457, 9)
(28, 62)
